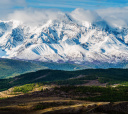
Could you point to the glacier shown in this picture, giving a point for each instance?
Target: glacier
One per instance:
(81, 38)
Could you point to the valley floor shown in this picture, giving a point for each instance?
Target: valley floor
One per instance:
(52, 101)
(90, 91)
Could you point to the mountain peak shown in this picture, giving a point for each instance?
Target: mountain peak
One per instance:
(71, 37)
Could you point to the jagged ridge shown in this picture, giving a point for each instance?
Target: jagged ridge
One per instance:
(65, 39)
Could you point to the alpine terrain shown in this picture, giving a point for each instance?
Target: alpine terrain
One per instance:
(68, 37)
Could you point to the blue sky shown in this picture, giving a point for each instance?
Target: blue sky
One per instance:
(65, 5)
(9, 6)
(69, 5)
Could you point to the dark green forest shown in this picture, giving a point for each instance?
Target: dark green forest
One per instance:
(109, 76)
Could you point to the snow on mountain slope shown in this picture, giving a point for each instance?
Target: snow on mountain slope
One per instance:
(66, 38)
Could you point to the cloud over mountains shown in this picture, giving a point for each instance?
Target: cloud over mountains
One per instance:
(115, 17)
(8, 6)
(79, 36)
(36, 11)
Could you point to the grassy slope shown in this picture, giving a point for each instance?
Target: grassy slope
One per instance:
(9, 67)
(81, 94)
(88, 93)
(63, 66)
(111, 76)
(95, 93)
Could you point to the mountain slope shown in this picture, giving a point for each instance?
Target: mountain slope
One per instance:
(104, 76)
(10, 68)
(66, 38)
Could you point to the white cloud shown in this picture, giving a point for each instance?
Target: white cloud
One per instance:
(115, 17)
(85, 15)
(8, 6)
(33, 16)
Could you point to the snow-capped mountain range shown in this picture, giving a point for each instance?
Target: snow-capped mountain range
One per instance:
(67, 38)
